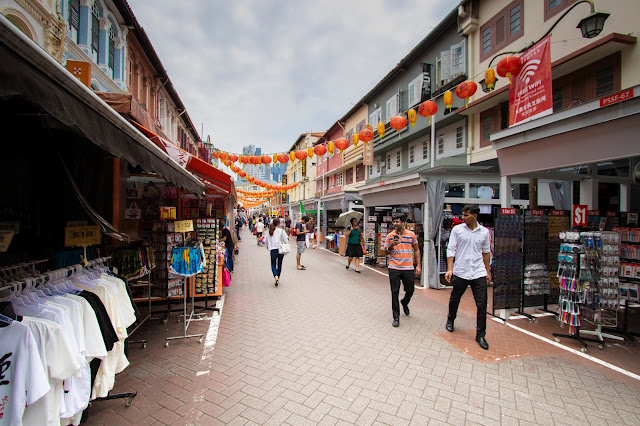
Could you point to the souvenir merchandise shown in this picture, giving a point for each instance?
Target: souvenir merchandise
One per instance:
(558, 221)
(536, 276)
(187, 261)
(167, 284)
(60, 326)
(133, 263)
(508, 261)
(207, 233)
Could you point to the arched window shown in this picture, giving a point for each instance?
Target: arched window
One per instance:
(21, 24)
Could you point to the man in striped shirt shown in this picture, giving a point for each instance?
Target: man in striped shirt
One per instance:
(402, 248)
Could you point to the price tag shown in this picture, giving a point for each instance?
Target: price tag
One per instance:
(593, 213)
(557, 213)
(611, 214)
(5, 240)
(76, 236)
(508, 211)
(183, 225)
(537, 212)
(372, 219)
(579, 215)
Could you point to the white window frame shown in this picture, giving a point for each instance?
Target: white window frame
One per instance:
(458, 58)
(416, 85)
(375, 117)
(460, 135)
(392, 107)
(376, 168)
(392, 160)
(331, 182)
(448, 136)
(339, 177)
(418, 153)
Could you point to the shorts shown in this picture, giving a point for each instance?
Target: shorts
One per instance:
(301, 246)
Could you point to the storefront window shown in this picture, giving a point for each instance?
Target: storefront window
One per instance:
(455, 190)
(618, 168)
(484, 190)
(520, 191)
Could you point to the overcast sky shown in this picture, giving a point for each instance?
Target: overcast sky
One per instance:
(263, 72)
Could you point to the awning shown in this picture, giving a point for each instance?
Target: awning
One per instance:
(30, 76)
(211, 176)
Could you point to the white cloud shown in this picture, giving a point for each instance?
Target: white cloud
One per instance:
(263, 72)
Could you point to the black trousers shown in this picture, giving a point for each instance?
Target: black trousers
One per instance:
(479, 289)
(395, 277)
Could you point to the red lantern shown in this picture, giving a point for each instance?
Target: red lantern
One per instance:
(341, 144)
(242, 173)
(214, 154)
(301, 154)
(250, 178)
(398, 122)
(465, 90)
(244, 159)
(320, 150)
(508, 66)
(235, 169)
(233, 158)
(428, 109)
(254, 159)
(366, 134)
(266, 159)
(283, 158)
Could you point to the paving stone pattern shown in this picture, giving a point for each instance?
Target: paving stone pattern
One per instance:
(320, 349)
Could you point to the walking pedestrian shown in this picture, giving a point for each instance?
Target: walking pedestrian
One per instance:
(470, 247)
(355, 241)
(287, 225)
(229, 245)
(274, 237)
(399, 245)
(259, 229)
(310, 239)
(301, 241)
(238, 226)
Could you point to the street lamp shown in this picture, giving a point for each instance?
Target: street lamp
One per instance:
(209, 147)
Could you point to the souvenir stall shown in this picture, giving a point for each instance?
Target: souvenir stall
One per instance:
(64, 198)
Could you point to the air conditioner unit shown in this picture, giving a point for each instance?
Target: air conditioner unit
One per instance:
(461, 12)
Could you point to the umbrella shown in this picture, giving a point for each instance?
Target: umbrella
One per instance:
(345, 218)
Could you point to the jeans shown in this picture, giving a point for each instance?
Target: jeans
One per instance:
(479, 289)
(238, 234)
(230, 260)
(395, 276)
(276, 257)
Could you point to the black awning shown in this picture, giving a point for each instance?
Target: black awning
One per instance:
(29, 75)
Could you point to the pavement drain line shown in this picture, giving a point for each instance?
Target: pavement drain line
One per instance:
(212, 335)
(544, 339)
(574, 351)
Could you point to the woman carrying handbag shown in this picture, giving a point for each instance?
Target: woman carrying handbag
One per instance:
(277, 243)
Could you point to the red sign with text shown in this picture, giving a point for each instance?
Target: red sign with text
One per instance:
(557, 213)
(537, 212)
(507, 211)
(616, 97)
(579, 215)
(530, 94)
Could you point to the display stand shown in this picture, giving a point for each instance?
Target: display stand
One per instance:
(186, 226)
(148, 285)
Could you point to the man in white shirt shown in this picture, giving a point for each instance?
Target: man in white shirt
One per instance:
(469, 244)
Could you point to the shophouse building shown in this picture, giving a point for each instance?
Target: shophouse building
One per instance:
(302, 172)
(585, 151)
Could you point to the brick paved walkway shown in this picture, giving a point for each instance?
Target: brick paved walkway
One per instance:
(320, 349)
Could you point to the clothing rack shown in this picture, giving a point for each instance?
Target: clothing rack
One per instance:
(69, 271)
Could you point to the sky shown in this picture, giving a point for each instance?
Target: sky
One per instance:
(264, 72)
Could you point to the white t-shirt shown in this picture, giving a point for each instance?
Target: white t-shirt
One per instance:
(23, 381)
(259, 227)
(58, 362)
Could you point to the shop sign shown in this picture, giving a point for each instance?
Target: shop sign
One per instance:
(5, 240)
(304, 168)
(616, 97)
(508, 211)
(579, 215)
(11, 226)
(81, 70)
(611, 214)
(537, 212)
(557, 213)
(632, 218)
(593, 213)
(372, 219)
(530, 94)
(183, 225)
(77, 236)
(426, 82)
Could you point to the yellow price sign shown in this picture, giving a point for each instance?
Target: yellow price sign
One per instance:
(183, 225)
(75, 236)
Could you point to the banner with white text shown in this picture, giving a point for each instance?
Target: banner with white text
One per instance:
(530, 94)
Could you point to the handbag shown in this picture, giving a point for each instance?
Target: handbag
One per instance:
(226, 277)
(284, 248)
(255, 231)
(133, 211)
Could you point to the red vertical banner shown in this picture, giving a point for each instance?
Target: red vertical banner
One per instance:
(530, 93)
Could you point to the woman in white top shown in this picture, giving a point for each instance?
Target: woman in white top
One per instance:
(259, 229)
(272, 239)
